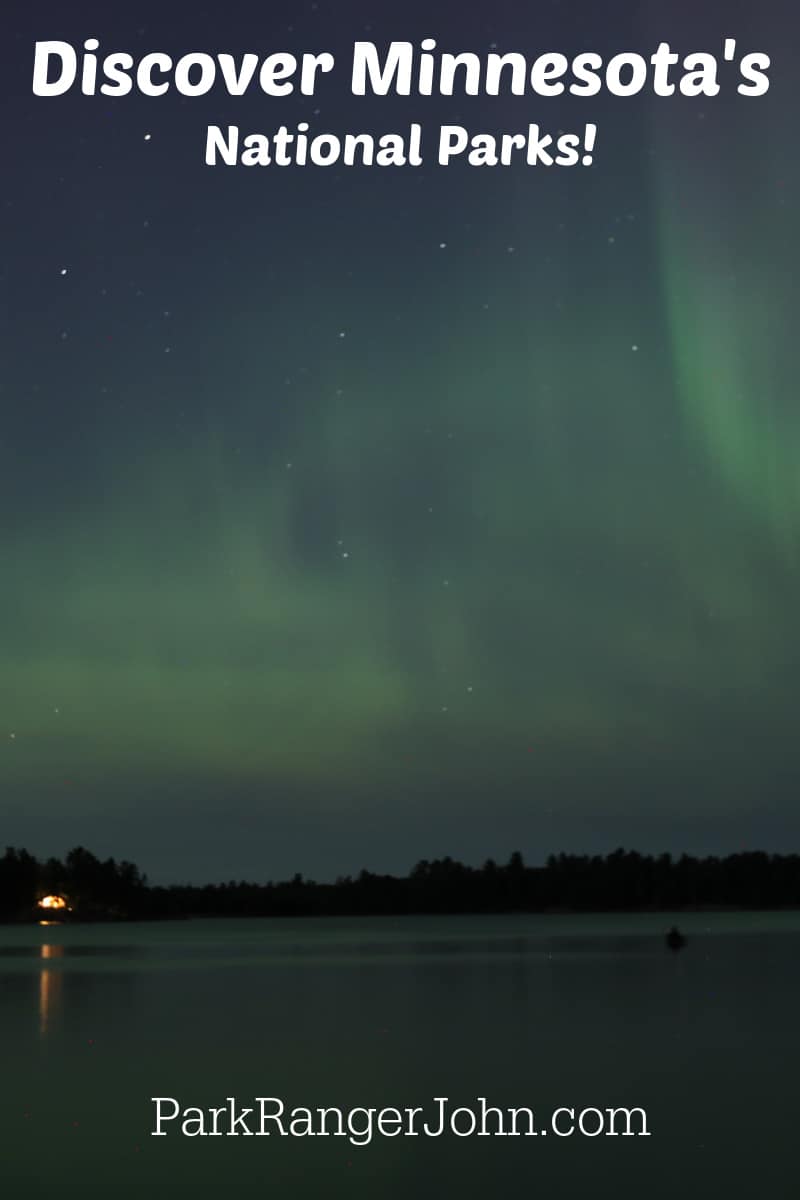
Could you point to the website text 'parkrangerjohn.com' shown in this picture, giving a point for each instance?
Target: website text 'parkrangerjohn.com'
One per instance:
(269, 1116)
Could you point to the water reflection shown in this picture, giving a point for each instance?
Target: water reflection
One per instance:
(50, 983)
(67, 951)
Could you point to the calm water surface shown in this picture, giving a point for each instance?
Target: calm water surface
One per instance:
(533, 1011)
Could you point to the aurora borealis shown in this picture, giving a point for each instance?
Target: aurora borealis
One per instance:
(355, 517)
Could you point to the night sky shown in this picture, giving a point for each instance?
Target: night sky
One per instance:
(354, 516)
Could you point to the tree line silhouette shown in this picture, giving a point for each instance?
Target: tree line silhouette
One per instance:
(621, 881)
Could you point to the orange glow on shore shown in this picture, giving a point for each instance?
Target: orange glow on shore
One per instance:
(52, 902)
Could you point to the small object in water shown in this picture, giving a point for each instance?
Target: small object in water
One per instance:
(675, 939)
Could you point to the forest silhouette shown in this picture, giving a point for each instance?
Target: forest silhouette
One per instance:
(623, 881)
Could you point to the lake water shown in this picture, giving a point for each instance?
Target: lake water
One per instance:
(530, 1011)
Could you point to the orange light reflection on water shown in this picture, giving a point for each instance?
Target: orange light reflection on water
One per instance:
(49, 986)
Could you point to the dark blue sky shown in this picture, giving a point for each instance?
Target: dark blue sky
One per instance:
(352, 516)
